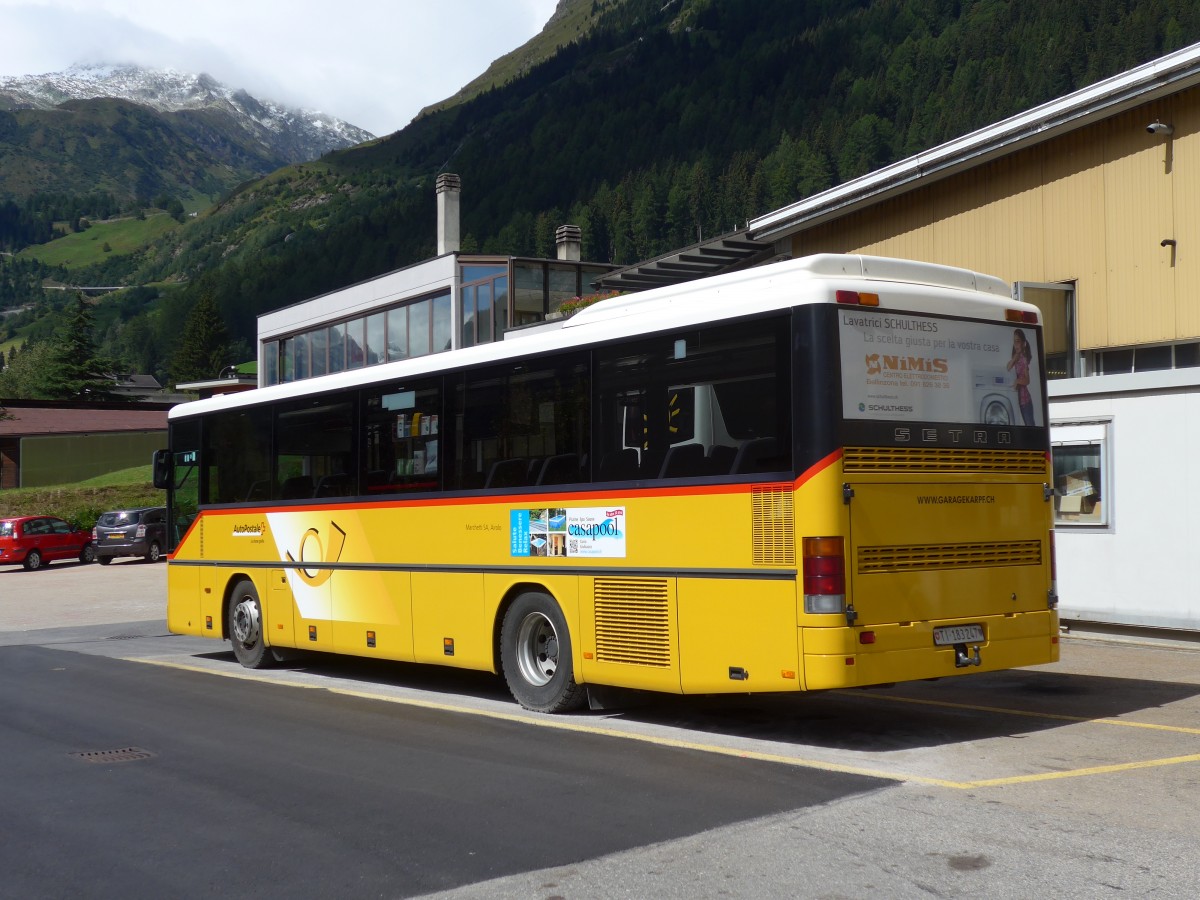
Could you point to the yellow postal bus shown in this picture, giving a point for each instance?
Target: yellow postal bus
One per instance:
(822, 473)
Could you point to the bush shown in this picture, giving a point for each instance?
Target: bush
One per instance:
(80, 505)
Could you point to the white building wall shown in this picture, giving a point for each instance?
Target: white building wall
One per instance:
(1143, 568)
(360, 299)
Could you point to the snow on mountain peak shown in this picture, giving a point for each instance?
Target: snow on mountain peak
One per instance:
(301, 133)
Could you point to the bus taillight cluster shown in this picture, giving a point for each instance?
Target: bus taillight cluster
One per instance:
(824, 575)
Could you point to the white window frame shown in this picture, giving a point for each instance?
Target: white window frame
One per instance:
(1096, 433)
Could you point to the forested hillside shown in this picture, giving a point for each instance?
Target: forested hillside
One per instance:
(663, 123)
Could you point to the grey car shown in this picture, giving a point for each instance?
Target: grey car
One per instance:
(131, 532)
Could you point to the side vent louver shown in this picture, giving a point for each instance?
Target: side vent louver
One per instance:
(633, 621)
(773, 525)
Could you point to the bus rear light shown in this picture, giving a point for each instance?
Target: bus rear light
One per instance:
(1017, 315)
(866, 637)
(824, 575)
(857, 298)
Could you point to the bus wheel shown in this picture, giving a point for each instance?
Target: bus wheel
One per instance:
(535, 652)
(245, 627)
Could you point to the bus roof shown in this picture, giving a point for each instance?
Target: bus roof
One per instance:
(916, 287)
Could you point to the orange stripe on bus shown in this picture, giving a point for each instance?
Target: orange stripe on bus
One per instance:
(535, 499)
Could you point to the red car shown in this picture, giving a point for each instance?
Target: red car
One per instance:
(36, 540)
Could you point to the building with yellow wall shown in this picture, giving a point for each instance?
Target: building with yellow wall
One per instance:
(1090, 206)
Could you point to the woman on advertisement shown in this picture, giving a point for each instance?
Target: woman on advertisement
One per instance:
(1018, 363)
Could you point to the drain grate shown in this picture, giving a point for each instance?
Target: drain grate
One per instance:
(126, 754)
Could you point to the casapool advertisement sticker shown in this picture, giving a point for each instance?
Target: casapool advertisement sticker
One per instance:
(598, 532)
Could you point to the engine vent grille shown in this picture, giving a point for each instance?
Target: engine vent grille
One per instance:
(942, 459)
(774, 534)
(911, 557)
(633, 621)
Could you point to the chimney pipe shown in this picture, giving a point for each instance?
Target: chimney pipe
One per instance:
(448, 188)
(569, 239)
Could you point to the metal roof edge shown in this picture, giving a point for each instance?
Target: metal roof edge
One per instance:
(1168, 74)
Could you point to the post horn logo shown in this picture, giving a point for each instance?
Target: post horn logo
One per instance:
(314, 550)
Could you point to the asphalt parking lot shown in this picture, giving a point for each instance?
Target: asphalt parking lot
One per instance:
(1076, 779)
(70, 593)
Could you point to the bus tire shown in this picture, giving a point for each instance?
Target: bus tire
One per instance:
(246, 627)
(535, 654)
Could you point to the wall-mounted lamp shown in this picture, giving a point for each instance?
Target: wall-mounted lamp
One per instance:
(1157, 127)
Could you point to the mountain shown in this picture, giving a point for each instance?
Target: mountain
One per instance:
(135, 131)
(648, 123)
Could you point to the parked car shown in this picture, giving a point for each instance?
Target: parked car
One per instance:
(131, 532)
(34, 541)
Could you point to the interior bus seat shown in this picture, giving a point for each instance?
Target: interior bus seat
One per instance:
(752, 454)
(507, 473)
(535, 467)
(259, 490)
(720, 459)
(333, 486)
(560, 469)
(684, 461)
(296, 488)
(619, 466)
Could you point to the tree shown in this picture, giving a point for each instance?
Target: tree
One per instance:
(74, 371)
(24, 376)
(204, 345)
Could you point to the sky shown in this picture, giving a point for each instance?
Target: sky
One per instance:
(373, 63)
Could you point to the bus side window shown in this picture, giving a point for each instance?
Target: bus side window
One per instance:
(696, 404)
(522, 425)
(314, 441)
(235, 454)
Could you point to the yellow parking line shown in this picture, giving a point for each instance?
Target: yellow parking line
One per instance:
(582, 728)
(1179, 729)
(1094, 770)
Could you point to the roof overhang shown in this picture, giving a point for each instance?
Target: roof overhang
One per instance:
(725, 253)
(1159, 78)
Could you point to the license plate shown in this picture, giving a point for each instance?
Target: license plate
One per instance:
(116, 536)
(958, 634)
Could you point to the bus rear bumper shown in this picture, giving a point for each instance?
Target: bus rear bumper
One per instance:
(836, 657)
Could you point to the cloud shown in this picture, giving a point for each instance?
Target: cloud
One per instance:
(375, 63)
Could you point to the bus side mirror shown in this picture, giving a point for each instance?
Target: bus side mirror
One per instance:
(162, 468)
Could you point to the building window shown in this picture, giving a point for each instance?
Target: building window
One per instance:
(355, 357)
(397, 334)
(1155, 358)
(376, 338)
(320, 351)
(1082, 481)
(529, 293)
(1056, 303)
(271, 362)
(442, 325)
(484, 296)
(563, 284)
(337, 348)
(418, 328)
